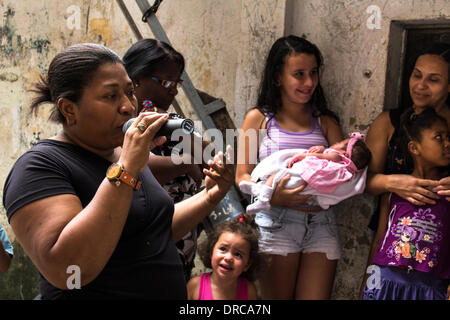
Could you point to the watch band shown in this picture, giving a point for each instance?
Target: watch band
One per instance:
(117, 174)
(129, 180)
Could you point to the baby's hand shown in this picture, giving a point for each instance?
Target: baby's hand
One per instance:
(316, 149)
(295, 159)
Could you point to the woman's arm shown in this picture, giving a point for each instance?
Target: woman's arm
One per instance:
(5, 259)
(248, 145)
(252, 292)
(190, 212)
(331, 130)
(190, 162)
(444, 188)
(57, 232)
(192, 288)
(406, 186)
(382, 225)
(165, 170)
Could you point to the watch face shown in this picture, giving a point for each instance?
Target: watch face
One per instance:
(113, 171)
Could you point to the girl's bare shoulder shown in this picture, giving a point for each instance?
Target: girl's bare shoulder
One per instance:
(254, 119)
(192, 288)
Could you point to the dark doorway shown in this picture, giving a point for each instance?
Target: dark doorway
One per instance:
(407, 39)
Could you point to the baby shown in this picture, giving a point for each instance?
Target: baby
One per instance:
(332, 174)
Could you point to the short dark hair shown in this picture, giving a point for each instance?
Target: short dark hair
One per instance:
(248, 229)
(412, 125)
(440, 49)
(361, 154)
(69, 73)
(145, 56)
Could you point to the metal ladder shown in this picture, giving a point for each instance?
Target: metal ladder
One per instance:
(149, 15)
(231, 205)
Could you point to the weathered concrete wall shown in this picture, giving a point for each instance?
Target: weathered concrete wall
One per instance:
(224, 43)
(352, 44)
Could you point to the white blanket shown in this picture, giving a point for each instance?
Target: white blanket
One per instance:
(276, 164)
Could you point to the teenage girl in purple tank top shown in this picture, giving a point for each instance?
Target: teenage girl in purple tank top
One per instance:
(292, 107)
(411, 250)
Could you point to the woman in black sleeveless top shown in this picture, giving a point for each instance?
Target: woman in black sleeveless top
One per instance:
(389, 170)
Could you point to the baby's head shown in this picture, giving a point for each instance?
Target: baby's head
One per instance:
(245, 228)
(356, 149)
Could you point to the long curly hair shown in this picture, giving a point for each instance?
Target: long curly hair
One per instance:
(245, 226)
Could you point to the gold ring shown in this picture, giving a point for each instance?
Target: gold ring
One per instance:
(141, 126)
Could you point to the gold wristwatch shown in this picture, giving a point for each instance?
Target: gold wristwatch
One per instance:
(117, 174)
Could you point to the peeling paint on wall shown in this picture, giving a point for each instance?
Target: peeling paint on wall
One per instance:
(100, 30)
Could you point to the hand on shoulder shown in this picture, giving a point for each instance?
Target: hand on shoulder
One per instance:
(412, 189)
(443, 188)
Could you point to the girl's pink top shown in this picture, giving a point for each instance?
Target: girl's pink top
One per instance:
(205, 292)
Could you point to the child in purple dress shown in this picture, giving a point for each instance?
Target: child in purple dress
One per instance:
(410, 256)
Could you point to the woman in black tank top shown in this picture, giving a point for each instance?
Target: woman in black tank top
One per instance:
(389, 170)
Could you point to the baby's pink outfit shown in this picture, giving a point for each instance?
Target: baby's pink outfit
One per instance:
(329, 182)
(205, 292)
(325, 175)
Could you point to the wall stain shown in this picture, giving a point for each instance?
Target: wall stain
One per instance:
(40, 45)
(6, 34)
(9, 77)
(100, 28)
(14, 47)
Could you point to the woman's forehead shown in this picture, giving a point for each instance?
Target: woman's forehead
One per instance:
(301, 61)
(433, 64)
(110, 74)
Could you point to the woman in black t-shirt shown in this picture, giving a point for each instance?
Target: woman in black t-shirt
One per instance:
(92, 236)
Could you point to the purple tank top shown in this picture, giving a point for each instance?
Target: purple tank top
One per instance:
(417, 237)
(205, 292)
(278, 139)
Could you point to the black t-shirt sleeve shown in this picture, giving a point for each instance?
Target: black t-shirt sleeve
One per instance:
(35, 175)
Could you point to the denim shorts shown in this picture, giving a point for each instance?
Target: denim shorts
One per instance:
(285, 230)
